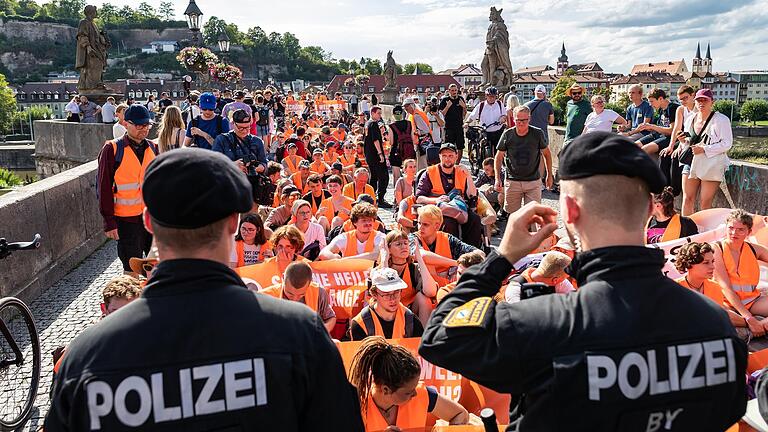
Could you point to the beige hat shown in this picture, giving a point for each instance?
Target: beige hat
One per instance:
(387, 280)
(574, 88)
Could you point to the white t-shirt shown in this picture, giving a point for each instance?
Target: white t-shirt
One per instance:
(108, 113)
(600, 122)
(73, 107)
(118, 130)
(250, 253)
(340, 241)
(437, 131)
(491, 114)
(314, 232)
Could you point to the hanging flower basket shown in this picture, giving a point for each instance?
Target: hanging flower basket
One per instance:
(197, 59)
(226, 73)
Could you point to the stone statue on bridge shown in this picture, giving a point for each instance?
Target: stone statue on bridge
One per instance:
(390, 72)
(496, 65)
(91, 57)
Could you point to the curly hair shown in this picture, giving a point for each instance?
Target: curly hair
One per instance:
(377, 361)
(740, 215)
(691, 254)
(291, 233)
(123, 286)
(362, 210)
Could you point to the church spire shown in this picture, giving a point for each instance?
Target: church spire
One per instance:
(698, 50)
(563, 58)
(709, 57)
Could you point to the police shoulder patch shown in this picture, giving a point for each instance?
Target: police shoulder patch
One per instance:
(470, 314)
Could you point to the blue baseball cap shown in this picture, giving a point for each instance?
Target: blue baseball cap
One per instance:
(207, 101)
(137, 114)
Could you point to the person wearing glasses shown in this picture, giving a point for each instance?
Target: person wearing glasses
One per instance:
(202, 130)
(122, 163)
(639, 111)
(601, 119)
(576, 111)
(240, 146)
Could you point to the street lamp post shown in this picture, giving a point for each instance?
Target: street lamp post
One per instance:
(193, 14)
(223, 44)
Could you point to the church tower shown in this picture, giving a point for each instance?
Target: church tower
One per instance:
(562, 61)
(707, 62)
(697, 61)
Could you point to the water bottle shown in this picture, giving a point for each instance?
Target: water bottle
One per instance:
(489, 420)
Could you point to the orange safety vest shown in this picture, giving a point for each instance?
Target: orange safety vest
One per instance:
(459, 181)
(318, 167)
(348, 160)
(673, 229)
(369, 322)
(310, 297)
(128, 179)
(351, 191)
(351, 249)
(240, 249)
(330, 209)
(746, 276)
(339, 135)
(361, 158)
(330, 158)
(304, 188)
(444, 291)
(348, 226)
(412, 415)
(424, 117)
(710, 289)
(407, 295)
(442, 248)
(409, 213)
(292, 163)
(272, 267)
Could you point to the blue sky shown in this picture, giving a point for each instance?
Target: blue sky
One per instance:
(445, 33)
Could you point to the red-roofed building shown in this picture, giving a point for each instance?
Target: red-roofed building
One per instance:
(420, 83)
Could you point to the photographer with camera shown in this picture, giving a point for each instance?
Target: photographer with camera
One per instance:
(436, 120)
(246, 150)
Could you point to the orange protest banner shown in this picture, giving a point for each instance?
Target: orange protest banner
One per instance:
(472, 396)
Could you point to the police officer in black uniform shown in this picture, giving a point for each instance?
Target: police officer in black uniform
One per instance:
(199, 351)
(631, 350)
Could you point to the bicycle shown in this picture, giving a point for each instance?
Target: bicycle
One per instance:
(478, 146)
(20, 357)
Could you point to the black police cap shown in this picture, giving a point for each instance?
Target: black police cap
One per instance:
(605, 153)
(191, 188)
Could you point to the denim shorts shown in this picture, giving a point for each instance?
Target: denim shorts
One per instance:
(686, 169)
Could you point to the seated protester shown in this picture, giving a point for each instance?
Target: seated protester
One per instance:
(281, 215)
(281, 184)
(335, 210)
(663, 123)
(330, 156)
(337, 169)
(665, 224)
(300, 178)
(485, 182)
(318, 165)
(240, 146)
(362, 242)
(378, 225)
(291, 161)
(302, 141)
(273, 172)
(406, 215)
(202, 130)
(550, 271)
(316, 193)
(404, 187)
(464, 262)
(361, 152)
(251, 242)
(441, 248)
(288, 242)
(297, 286)
(314, 234)
(384, 315)
(391, 396)
(737, 269)
(421, 286)
(697, 262)
(340, 134)
(325, 135)
(349, 159)
(360, 185)
(439, 180)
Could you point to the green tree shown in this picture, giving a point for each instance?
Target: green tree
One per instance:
(216, 26)
(108, 13)
(605, 92)
(620, 109)
(727, 107)
(146, 11)
(373, 67)
(624, 100)
(28, 8)
(8, 7)
(290, 45)
(558, 97)
(71, 9)
(754, 110)
(424, 69)
(167, 11)
(7, 105)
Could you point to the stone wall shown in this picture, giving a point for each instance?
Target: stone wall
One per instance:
(62, 145)
(30, 30)
(63, 209)
(18, 155)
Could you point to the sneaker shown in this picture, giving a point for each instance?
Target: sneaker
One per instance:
(385, 205)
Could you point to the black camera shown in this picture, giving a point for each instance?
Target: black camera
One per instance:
(250, 165)
(535, 289)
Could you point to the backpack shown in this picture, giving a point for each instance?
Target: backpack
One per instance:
(219, 124)
(119, 153)
(482, 105)
(263, 115)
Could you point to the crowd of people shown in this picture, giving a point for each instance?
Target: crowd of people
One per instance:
(317, 181)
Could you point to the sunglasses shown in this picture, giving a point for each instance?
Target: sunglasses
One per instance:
(576, 94)
(140, 126)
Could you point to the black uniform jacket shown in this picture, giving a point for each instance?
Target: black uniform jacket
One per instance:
(630, 350)
(200, 352)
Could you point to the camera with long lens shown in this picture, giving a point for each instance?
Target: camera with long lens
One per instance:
(250, 165)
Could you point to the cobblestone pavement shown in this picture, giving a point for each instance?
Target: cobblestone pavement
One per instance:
(72, 304)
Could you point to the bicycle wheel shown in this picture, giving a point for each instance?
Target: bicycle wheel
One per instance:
(476, 161)
(19, 363)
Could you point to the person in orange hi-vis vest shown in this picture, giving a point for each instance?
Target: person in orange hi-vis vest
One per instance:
(665, 223)
(360, 185)
(362, 242)
(297, 286)
(738, 271)
(340, 133)
(300, 178)
(335, 210)
(318, 165)
(391, 396)
(291, 162)
(316, 193)
(464, 262)
(251, 242)
(122, 164)
(288, 242)
(330, 156)
(349, 158)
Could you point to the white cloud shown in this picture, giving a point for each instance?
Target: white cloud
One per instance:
(446, 33)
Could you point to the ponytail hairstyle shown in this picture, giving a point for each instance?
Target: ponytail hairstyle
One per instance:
(667, 199)
(379, 362)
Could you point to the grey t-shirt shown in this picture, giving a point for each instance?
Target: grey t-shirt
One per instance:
(89, 112)
(540, 112)
(523, 153)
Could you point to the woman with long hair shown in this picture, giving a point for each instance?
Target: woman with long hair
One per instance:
(170, 134)
(665, 224)
(391, 396)
(251, 242)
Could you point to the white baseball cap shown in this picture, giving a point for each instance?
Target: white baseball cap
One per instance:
(387, 280)
(407, 101)
(541, 89)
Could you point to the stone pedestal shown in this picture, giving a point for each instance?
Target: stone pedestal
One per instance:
(389, 96)
(99, 97)
(60, 145)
